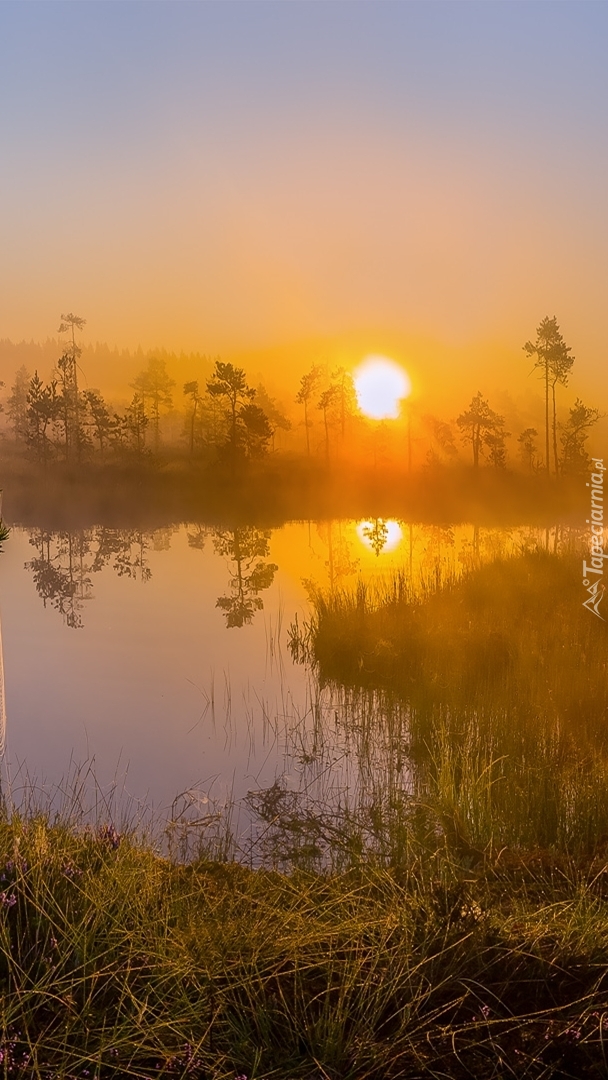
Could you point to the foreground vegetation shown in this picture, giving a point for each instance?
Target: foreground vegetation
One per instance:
(116, 962)
(449, 921)
(496, 683)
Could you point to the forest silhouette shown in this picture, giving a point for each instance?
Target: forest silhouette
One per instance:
(218, 445)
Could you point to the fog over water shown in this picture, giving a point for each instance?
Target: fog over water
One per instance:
(161, 657)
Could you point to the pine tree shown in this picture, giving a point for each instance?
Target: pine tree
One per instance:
(554, 361)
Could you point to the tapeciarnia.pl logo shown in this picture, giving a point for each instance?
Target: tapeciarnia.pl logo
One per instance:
(593, 571)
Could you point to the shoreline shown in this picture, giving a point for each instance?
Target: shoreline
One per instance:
(175, 491)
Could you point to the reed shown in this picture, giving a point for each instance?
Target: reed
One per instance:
(448, 917)
(118, 962)
(500, 680)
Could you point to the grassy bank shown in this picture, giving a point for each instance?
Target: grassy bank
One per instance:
(498, 686)
(452, 922)
(114, 962)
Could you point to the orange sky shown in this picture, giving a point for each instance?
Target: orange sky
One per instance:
(275, 182)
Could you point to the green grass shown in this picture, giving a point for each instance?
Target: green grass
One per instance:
(115, 962)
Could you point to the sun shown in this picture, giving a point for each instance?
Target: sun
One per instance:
(381, 385)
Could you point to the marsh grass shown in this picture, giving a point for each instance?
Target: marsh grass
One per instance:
(448, 918)
(117, 962)
(501, 682)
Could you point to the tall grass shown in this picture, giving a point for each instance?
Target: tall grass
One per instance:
(116, 962)
(501, 683)
(448, 918)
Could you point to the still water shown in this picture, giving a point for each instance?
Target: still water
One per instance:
(161, 657)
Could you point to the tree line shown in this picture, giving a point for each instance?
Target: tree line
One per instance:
(565, 442)
(228, 421)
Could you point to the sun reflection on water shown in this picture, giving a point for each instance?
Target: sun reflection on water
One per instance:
(380, 535)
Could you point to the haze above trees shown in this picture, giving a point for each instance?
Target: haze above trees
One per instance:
(221, 419)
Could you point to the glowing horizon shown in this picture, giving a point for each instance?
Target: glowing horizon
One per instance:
(161, 186)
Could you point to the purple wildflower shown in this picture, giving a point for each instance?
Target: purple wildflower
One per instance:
(109, 834)
(8, 900)
(70, 871)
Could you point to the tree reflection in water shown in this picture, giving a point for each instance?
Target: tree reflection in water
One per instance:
(126, 551)
(65, 563)
(61, 572)
(340, 562)
(245, 547)
(376, 534)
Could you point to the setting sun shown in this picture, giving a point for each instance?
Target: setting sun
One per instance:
(381, 385)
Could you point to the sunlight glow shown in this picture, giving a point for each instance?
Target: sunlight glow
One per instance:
(380, 536)
(381, 385)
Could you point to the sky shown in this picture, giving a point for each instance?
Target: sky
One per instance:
(249, 178)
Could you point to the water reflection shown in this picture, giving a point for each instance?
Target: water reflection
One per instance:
(340, 562)
(380, 535)
(245, 548)
(61, 572)
(65, 564)
(126, 551)
(154, 670)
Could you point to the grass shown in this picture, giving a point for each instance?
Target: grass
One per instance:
(451, 921)
(515, 625)
(116, 962)
(497, 685)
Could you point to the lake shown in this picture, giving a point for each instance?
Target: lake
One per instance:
(160, 658)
